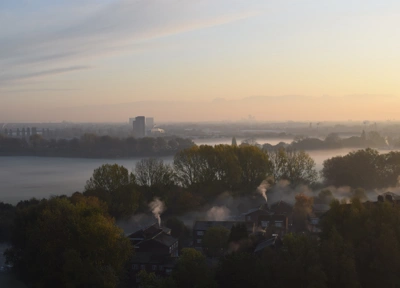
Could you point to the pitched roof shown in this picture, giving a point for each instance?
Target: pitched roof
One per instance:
(204, 225)
(265, 244)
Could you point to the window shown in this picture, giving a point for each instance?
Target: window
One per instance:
(278, 224)
(170, 249)
(200, 233)
(154, 267)
(198, 241)
(264, 224)
(135, 267)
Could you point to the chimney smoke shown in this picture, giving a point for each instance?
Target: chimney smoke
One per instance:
(262, 189)
(157, 207)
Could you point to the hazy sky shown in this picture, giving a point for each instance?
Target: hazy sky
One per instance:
(104, 60)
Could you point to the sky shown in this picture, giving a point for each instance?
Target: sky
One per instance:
(199, 60)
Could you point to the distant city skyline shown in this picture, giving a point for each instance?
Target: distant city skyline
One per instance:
(93, 60)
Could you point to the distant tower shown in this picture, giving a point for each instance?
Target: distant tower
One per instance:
(10, 132)
(18, 132)
(139, 127)
(363, 136)
(234, 143)
(28, 131)
(23, 132)
(149, 123)
(34, 131)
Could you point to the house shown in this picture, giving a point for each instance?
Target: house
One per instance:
(253, 214)
(282, 207)
(155, 250)
(200, 228)
(274, 223)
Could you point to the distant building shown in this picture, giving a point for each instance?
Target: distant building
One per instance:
(139, 127)
(149, 122)
(234, 142)
(157, 131)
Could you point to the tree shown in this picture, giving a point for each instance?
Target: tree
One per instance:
(338, 261)
(301, 210)
(60, 244)
(364, 168)
(215, 241)
(243, 270)
(238, 232)
(114, 185)
(109, 178)
(370, 232)
(192, 270)
(255, 165)
(153, 172)
(325, 196)
(300, 264)
(297, 167)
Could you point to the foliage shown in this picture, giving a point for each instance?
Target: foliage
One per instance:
(57, 243)
(225, 166)
(364, 168)
(238, 232)
(297, 167)
(366, 236)
(153, 172)
(7, 214)
(93, 146)
(215, 241)
(301, 210)
(192, 270)
(114, 185)
(109, 178)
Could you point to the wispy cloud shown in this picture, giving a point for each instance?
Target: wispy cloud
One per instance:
(104, 29)
(9, 78)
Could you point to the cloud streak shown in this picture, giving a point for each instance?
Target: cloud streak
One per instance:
(118, 26)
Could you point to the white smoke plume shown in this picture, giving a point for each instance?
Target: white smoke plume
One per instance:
(262, 189)
(157, 207)
(218, 213)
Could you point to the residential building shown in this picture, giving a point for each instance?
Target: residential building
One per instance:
(253, 214)
(200, 228)
(274, 223)
(155, 250)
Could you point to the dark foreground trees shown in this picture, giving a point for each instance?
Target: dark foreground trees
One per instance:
(64, 243)
(363, 168)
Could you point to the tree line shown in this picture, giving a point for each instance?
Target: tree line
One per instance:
(92, 146)
(366, 168)
(334, 141)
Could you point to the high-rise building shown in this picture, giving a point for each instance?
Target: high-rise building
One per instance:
(149, 123)
(139, 127)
